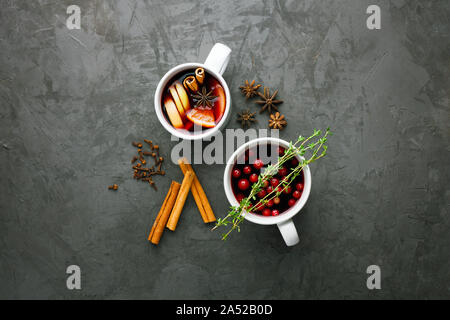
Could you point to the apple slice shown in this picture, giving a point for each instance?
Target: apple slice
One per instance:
(173, 114)
(183, 95)
(202, 117)
(177, 100)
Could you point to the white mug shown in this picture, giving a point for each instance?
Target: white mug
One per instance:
(283, 220)
(215, 64)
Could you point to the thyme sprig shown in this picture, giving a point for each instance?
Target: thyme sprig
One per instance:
(309, 149)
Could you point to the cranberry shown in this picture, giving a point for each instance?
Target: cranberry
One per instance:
(274, 182)
(276, 200)
(253, 178)
(280, 151)
(296, 194)
(291, 202)
(288, 189)
(280, 189)
(259, 207)
(236, 173)
(266, 183)
(275, 212)
(294, 162)
(240, 197)
(269, 189)
(243, 184)
(267, 212)
(258, 164)
(269, 203)
(282, 171)
(247, 170)
(299, 186)
(262, 193)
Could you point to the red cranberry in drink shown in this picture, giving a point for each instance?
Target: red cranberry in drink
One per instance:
(261, 194)
(274, 182)
(291, 202)
(236, 173)
(247, 174)
(253, 178)
(258, 164)
(247, 169)
(243, 184)
(282, 171)
(259, 207)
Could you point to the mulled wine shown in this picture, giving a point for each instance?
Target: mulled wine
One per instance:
(193, 97)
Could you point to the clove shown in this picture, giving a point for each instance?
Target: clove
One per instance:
(140, 172)
(149, 142)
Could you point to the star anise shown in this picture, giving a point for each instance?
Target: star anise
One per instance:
(203, 98)
(246, 118)
(250, 89)
(268, 101)
(277, 121)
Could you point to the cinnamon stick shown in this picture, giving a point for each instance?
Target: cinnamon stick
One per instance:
(184, 168)
(181, 199)
(198, 193)
(163, 215)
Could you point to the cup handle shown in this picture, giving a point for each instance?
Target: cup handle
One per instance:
(218, 58)
(289, 233)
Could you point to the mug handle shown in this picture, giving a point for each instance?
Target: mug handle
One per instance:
(289, 232)
(218, 58)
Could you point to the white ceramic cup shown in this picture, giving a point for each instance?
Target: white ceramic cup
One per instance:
(283, 220)
(215, 64)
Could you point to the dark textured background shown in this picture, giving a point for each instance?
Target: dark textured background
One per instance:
(71, 102)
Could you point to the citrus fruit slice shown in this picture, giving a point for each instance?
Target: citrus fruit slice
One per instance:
(177, 100)
(220, 102)
(202, 117)
(172, 112)
(183, 96)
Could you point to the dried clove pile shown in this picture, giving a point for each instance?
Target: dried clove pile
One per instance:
(143, 172)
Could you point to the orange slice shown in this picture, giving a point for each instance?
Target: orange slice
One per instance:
(202, 117)
(177, 100)
(183, 95)
(220, 102)
(172, 112)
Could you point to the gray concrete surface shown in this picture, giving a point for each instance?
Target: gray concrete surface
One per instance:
(72, 100)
